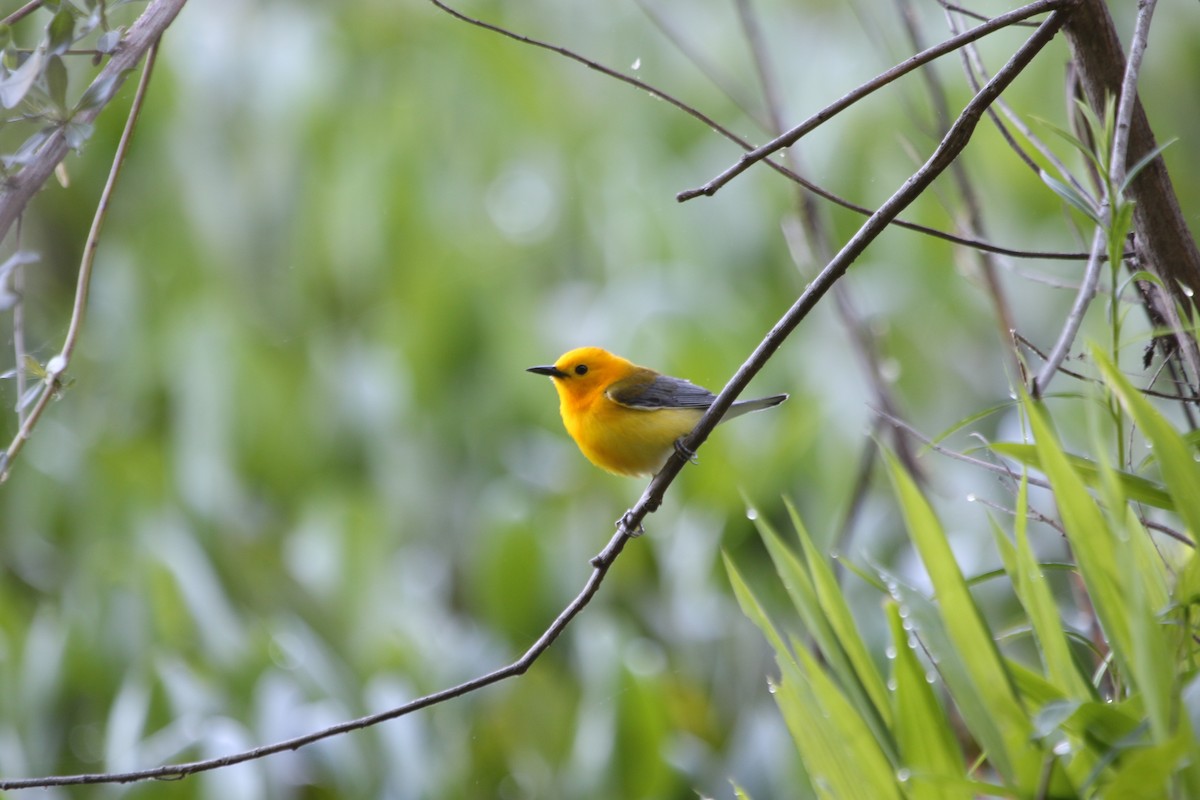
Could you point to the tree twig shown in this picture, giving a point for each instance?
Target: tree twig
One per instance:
(57, 366)
(711, 123)
(601, 564)
(794, 135)
(1066, 337)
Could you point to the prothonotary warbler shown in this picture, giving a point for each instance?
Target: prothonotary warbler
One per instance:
(625, 418)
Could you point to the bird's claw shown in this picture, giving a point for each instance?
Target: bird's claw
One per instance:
(685, 451)
(625, 523)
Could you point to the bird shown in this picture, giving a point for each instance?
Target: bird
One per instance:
(629, 419)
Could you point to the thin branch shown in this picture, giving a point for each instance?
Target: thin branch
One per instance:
(601, 564)
(57, 366)
(18, 287)
(883, 79)
(711, 123)
(1133, 67)
(976, 72)
(1066, 338)
(966, 12)
(144, 32)
(702, 64)
(23, 12)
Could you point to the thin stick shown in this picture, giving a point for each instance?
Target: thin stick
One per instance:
(1133, 68)
(1066, 337)
(601, 564)
(18, 287)
(711, 123)
(878, 82)
(56, 367)
(22, 12)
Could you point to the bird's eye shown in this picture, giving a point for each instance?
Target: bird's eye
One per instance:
(581, 369)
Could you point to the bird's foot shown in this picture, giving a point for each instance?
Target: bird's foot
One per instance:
(685, 451)
(625, 523)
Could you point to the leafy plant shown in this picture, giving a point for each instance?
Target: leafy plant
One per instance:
(1102, 711)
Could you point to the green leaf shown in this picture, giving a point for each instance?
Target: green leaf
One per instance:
(14, 86)
(1143, 162)
(1072, 196)
(1135, 487)
(925, 735)
(56, 82)
(100, 92)
(1179, 469)
(1015, 756)
(839, 751)
(61, 33)
(835, 610)
(1029, 583)
(1145, 773)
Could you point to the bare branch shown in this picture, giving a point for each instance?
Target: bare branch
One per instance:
(1066, 338)
(883, 79)
(745, 145)
(1133, 68)
(601, 564)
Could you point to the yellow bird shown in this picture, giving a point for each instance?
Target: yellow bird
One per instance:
(625, 418)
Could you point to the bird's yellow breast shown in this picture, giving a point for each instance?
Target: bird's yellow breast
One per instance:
(623, 440)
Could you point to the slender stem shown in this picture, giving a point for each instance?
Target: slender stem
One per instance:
(146, 30)
(18, 286)
(56, 367)
(711, 123)
(883, 79)
(1066, 338)
(1133, 67)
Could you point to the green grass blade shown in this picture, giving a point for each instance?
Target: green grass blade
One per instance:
(1029, 582)
(827, 619)
(837, 612)
(1179, 469)
(1135, 487)
(1017, 759)
(842, 757)
(926, 737)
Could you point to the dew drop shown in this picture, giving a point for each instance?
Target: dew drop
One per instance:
(751, 513)
(636, 65)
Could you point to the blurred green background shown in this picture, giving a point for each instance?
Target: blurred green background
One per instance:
(301, 475)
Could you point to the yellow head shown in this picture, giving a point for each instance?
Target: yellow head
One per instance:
(580, 375)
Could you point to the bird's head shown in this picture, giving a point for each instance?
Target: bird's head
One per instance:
(584, 370)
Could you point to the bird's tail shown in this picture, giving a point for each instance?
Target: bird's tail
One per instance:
(746, 406)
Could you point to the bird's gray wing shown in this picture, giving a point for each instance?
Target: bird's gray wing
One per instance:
(661, 392)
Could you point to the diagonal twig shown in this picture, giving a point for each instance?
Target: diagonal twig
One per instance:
(601, 564)
(56, 367)
(711, 123)
(878, 82)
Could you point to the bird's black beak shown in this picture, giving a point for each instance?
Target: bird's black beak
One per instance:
(549, 369)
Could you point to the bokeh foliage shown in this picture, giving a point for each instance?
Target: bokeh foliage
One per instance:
(301, 476)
